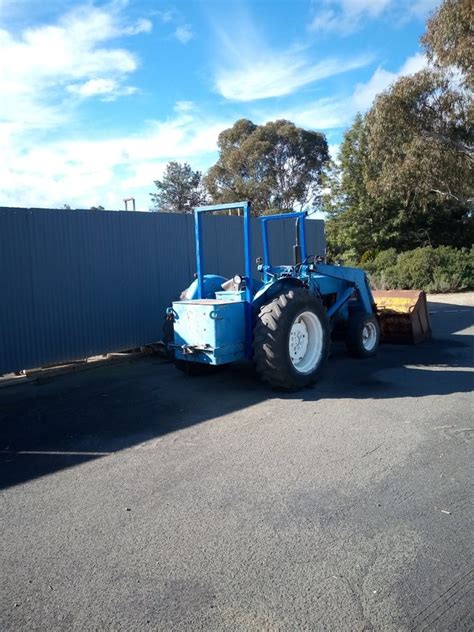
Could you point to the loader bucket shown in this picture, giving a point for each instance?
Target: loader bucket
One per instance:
(403, 316)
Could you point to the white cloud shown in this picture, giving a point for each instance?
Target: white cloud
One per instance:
(141, 26)
(45, 74)
(422, 8)
(279, 75)
(48, 71)
(184, 106)
(108, 89)
(365, 93)
(413, 64)
(336, 113)
(250, 75)
(175, 19)
(165, 16)
(88, 172)
(346, 16)
(334, 150)
(183, 33)
(43, 64)
(322, 114)
(247, 69)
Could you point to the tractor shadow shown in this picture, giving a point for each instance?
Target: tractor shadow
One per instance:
(63, 421)
(440, 366)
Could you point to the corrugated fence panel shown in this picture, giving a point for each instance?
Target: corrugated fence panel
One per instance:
(224, 245)
(80, 283)
(315, 237)
(16, 307)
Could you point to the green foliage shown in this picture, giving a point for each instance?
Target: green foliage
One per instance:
(367, 258)
(276, 166)
(442, 269)
(418, 143)
(348, 258)
(449, 35)
(354, 218)
(404, 177)
(381, 261)
(180, 190)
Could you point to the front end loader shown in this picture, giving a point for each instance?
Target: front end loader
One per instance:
(283, 321)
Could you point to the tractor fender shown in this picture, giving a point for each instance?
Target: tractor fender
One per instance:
(270, 290)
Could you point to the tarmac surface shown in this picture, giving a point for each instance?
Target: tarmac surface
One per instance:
(135, 498)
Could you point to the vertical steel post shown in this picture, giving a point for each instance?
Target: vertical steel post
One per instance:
(127, 200)
(271, 218)
(248, 281)
(266, 255)
(247, 243)
(302, 231)
(199, 261)
(248, 251)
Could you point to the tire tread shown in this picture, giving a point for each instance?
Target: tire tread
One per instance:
(270, 344)
(354, 344)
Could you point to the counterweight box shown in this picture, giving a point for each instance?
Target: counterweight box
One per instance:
(209, 330)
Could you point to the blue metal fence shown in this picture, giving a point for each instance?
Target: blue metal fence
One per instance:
(81, 283)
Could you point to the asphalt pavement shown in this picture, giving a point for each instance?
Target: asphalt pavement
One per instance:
(135, 498)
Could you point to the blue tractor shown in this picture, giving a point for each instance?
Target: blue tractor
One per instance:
(282, 322)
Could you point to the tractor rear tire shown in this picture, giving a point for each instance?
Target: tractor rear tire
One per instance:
(291, 340)
(363, 336)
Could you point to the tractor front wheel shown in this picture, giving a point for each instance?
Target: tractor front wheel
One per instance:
(363, 336)
(291, 340)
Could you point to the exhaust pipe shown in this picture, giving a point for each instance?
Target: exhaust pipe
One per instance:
(297, 246)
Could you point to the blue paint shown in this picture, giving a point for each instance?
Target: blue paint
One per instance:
(247, 242)
(77, 283)
(247, 257)
(355, 277)
(209, 330)
(215, 331)
(342, 299)
(299, 217)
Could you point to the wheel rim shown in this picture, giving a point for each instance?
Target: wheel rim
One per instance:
(305, 342)
(369, 336)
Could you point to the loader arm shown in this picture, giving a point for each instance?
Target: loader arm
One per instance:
(355, 277)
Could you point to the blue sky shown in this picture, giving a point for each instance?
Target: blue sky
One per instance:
(96, 97)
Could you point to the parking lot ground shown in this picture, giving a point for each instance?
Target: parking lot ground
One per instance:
(135, 498)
